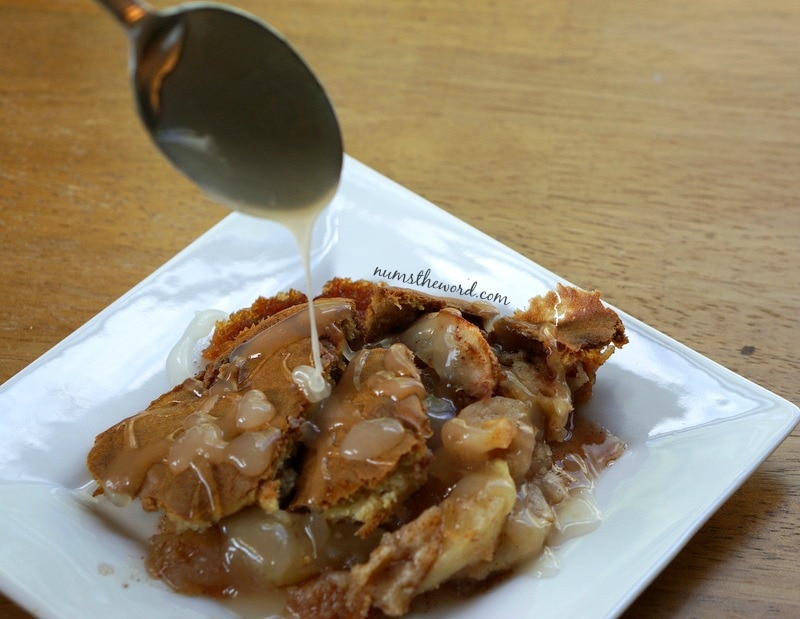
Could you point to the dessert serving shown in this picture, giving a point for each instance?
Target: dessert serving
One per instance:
(448, 451)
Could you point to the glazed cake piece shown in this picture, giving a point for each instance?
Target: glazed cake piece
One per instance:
(368, 450)
(217, 443)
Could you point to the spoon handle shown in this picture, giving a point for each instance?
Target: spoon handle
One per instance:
(127, 12)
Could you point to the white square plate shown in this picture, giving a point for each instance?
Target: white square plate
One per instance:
(695, 431)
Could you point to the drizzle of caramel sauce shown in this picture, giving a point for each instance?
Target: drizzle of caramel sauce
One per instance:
(224, 425)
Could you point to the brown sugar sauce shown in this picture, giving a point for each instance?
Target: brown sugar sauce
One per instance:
(588, 451)
(252, 555)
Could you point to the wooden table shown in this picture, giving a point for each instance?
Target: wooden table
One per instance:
(647, 149)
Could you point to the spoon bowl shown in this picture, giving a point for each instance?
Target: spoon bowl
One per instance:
(233, 106)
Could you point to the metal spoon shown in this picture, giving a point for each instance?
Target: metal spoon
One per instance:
(232, 105)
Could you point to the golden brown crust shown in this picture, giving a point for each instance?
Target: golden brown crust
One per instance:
(380, 309)
(581, 319)
(228, 330)
(383, 310)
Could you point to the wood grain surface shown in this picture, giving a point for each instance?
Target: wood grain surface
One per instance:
(647, 149)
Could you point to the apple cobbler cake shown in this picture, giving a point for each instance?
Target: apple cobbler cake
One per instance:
(441, 455)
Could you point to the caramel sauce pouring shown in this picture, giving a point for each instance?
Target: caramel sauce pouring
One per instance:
(236, 109)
